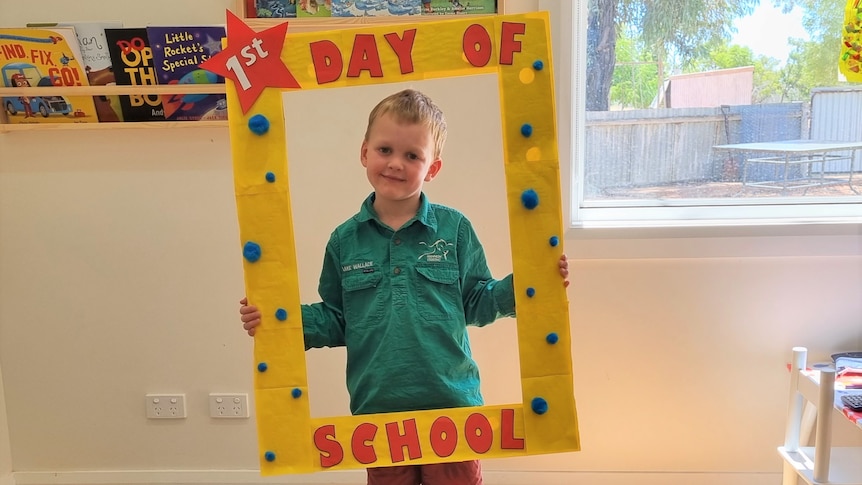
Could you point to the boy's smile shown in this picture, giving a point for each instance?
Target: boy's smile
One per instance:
(399, 158)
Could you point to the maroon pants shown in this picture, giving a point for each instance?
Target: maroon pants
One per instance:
(461, 473)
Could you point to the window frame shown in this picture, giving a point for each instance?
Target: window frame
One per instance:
(569, 26)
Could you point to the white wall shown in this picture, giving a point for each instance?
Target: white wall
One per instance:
(120, 275)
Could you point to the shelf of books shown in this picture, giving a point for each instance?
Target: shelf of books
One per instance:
(102, 75)
(315, 15)
(83, 75)
(71, 93)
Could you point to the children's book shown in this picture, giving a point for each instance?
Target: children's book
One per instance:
(97, 64)
(132, 59)
(96, 61)
(177, 55)
(275, 8)
(404, 7)
(375, 8)
(31, 57)
(455, 7)
(316, 8)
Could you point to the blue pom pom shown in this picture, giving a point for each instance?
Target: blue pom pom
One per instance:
(539, 405)
(281, 314)
(538, 65)
(552, 338)
(251, 251)
(554, 241)
(530, 199)
(296, 392)
(527, 129)
(269, 456)
(258, 124)
(261, 367)
(531, 292)
(270, 177)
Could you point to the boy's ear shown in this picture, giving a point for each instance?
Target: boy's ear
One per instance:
(434, 169)
(363, 153)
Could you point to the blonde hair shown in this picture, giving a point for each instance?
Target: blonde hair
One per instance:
(411, 106)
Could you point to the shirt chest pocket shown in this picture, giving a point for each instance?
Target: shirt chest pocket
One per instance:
(439, 293)
(363, 301)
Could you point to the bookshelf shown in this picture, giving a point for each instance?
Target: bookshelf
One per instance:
(108, 91)
(297, 25)
(314, 24)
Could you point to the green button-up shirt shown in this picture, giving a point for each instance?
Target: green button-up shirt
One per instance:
(400, 301)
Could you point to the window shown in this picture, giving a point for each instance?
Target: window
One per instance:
(695, 121)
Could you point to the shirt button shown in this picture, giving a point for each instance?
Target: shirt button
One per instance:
(397, 271)
(397, 242)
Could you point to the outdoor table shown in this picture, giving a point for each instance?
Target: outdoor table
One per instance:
(797, 152)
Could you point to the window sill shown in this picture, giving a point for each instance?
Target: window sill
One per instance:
(758, 239)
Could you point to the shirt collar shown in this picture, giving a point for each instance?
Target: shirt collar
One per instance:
(424, 215)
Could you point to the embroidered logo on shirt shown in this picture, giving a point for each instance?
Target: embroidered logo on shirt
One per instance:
(366, 267)
(437, 251)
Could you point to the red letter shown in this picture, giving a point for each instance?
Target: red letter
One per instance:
(444, 436)
(327, 61)
(508, 44)
(403, 48)
(362, 451)
(507, 430)
(397, 441)
(331, 452)
(364, 57)
(478, 432)
(477, 45)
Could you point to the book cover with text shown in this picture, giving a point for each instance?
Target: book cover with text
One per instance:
(132, 59)
(375, 8)
(31, 57)
(96, 61)
(97, 64)
(177, 55)
(456, 7)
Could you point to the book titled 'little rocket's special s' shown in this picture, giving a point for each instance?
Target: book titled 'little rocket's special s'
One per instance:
(177, 55)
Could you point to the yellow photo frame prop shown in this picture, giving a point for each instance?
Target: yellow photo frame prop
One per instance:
(517, 49)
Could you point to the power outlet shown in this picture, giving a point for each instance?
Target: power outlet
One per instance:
(228, 405)
(166, 406)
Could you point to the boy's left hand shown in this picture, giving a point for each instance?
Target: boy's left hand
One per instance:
(564, 269)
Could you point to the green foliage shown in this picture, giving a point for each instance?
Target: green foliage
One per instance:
(684, 28)
(693, 36)
(635, 81)
(668, 28)
(814, 63)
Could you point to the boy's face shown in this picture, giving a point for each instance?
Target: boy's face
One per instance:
(399, 158)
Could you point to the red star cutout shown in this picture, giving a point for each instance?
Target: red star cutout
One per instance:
(252, 60)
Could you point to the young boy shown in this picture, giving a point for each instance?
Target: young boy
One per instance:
(401, 281)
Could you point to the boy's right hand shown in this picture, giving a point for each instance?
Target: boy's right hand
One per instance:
(250, 316)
